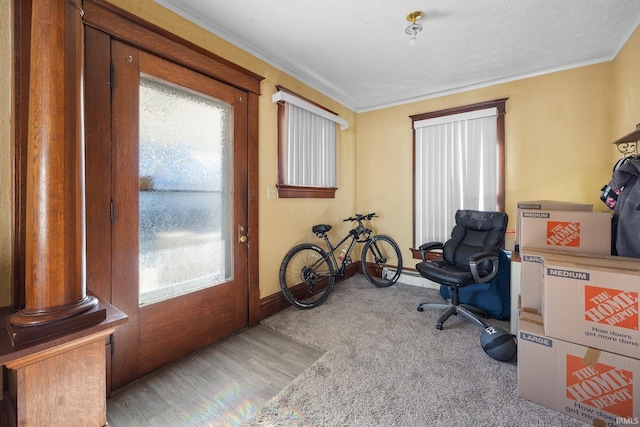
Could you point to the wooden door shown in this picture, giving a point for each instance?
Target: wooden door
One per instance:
(178, 211)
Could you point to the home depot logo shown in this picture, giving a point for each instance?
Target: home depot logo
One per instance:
(611, 307)
(560, 233)
(600, 386)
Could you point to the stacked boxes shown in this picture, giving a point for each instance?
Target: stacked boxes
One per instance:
(578, 333)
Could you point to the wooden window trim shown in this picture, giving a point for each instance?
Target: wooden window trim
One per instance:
(299, 192)
(280, 88)
(286, 191)
(431, 256)
(500, 105)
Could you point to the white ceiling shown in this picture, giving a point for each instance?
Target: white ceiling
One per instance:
(357, 52)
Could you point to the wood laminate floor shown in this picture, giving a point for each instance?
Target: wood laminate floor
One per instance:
(221, 385)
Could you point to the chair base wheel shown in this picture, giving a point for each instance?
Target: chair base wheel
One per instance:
(451, 310)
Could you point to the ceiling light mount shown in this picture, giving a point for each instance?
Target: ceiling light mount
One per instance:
(414, 28)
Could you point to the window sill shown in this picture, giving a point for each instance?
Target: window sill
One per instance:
(429, 255)
(298, 192)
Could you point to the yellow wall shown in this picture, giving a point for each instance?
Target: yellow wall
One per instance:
(626, 72)
(557, 133)
(6, 157)
(559, 129)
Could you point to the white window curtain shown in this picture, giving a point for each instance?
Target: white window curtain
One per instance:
(311, 150)
(456, 167)
(310, 142)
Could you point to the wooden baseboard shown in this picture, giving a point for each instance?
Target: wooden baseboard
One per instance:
(276, 302)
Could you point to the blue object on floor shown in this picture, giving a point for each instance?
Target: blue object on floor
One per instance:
(494, 297)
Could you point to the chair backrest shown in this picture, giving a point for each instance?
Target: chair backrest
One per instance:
(475, 231)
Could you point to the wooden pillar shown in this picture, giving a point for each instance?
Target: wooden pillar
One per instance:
(55, 285)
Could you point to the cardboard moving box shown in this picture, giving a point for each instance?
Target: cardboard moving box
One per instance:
(592, 306)
(572, 231)
(532, 269)
(591, 385)
(547, 205)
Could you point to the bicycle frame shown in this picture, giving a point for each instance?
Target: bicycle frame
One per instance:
(354, 235)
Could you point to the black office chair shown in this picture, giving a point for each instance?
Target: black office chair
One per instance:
(470, 256)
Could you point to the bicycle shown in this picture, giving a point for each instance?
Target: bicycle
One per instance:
(308, 272)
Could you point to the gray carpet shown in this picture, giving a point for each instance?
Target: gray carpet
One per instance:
(386, 365)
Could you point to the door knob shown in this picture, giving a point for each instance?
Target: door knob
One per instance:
(242, 238)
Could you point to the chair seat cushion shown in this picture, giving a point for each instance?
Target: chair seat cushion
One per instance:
(494, 297)
(441, 272)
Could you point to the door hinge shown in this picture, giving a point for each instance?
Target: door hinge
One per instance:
(111, 72)
(112, 214)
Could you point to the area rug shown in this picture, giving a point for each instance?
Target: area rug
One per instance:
(387, 365)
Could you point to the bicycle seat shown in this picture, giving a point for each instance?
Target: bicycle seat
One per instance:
(321, 228)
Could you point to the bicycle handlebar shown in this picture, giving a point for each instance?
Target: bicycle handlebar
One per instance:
(360, 217)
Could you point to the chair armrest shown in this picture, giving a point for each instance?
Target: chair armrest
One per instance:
(479, 258)
(428, 247)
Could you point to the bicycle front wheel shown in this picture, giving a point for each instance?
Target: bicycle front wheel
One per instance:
(307, 276)
(381, 261)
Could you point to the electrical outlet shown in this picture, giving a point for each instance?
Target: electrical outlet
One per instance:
(272, 193)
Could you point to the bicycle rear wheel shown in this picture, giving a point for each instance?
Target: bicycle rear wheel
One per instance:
(307, 276)
(379, 254)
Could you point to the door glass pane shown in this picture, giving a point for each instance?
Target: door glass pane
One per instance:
(185, 190)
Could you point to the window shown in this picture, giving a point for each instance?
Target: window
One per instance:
(185, 191)
(458, 164)
(306, 147)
